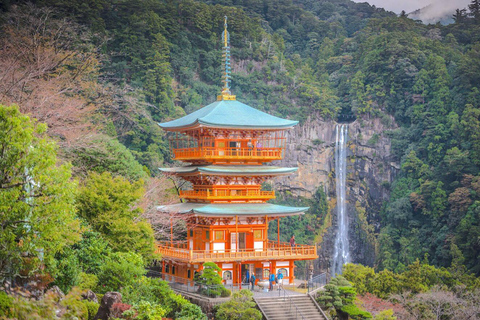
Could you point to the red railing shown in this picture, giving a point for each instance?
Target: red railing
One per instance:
(273, 251)
(227, 194)
(211, 153)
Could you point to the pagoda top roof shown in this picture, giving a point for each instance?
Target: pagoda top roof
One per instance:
(232, 209)
(229, 114)
(230, 170)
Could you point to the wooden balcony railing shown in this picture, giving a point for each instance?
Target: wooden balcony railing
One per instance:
(217, 155)
(273, 251)
(227, 195)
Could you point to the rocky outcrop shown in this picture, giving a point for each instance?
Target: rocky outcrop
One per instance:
(371, 170)
(105, 309)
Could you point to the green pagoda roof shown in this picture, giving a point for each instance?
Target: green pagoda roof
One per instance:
(233, 209)
(229, 114)
(231, 170)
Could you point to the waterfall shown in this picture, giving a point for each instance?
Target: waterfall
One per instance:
(341, 251)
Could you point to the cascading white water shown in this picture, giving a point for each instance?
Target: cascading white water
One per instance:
(341, 253)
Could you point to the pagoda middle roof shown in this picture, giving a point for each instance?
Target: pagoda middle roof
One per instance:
(231, 170)
(229, 114)
(232, 209)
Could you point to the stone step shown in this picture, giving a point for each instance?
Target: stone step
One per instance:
(278, 308)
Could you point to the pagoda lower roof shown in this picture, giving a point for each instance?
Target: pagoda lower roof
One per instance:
(232, 209)
(230, 170)
(229, 114)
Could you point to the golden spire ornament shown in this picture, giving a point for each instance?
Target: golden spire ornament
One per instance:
(227, 69)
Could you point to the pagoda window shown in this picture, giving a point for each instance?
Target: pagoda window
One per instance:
(167, 268)
(207, 234)
(173, 269)
(189, 273)
(219, 235)
(266, 273)
(258, 234)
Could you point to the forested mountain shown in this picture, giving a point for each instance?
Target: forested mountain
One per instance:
(101, 74)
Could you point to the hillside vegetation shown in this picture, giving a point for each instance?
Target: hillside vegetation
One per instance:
(100, 74)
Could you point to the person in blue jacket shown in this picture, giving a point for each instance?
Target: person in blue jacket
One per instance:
(252, 281)
(272, 280)
(280, 280)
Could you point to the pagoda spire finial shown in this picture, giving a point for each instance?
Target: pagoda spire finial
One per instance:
(226, 93)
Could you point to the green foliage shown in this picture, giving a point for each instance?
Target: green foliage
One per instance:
(106, 203)
(87, 281)
(212, 281)
(385, 315)
(241, 306)
(5, 305)
(416, 278)
(158, 292)
(106, 154)
(355, 312)
(190, 312)
(74, 304)
(144, 310)
(92, 308)
(339, 296)
(36, 196)
(120, 269)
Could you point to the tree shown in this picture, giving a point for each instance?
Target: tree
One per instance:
(241, 307)
(108, 204)
(460, 15)
(474, 8)
(36, 196)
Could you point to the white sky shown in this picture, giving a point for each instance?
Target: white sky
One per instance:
(411, 5)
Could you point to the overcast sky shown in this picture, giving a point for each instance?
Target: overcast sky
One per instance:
(411, 5)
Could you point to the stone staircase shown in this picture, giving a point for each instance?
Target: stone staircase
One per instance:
(302, 307)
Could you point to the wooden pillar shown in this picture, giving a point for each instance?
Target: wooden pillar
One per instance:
(239, 275)
(236, 233)
(291, 271)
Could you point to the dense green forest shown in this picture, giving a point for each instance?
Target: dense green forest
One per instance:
(100, 74)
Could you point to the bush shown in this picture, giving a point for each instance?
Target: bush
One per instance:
(76, 308)
(355, 312)
(240, 307)
(190, 312)
(5, 305)
(92, 308)
(144, 310)
(120, 270)
(225, 293)
(87, 281)
(157, 291)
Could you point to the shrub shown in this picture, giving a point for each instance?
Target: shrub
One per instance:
(144, 310)
(92, 308)
(157, 291)
(240, 307)
(119, 308)
(355, 312)
(120, 270)
(87, 281)
(76, 308)
(5, 305)
(190, 312)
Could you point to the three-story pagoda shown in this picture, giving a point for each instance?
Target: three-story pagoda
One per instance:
(226, 145)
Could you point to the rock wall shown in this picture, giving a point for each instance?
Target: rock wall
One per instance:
(371, 170)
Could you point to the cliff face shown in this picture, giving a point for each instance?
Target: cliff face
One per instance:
(371, 170)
